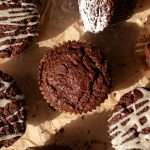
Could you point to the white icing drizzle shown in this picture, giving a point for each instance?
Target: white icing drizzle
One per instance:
(4, 102)
(19, 97)
(11, 136)
(8, 137)
(5, 85)
(13, 16)
(143, 140)
(15, 113)
(7, 46)
(94, 14)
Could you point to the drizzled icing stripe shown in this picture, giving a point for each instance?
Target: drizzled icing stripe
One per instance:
(7, 46)
(15, 113)
(5, 84)
(8, 137)
(18, 113)
(11, 136)
(11, 116)
(17, 17)
(4, 102)
(120, 140)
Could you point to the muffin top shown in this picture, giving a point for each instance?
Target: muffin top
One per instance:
(74, 77)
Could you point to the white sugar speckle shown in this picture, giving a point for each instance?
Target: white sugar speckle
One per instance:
(95, 14)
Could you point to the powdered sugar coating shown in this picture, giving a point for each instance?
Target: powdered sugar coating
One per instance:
(96, 14)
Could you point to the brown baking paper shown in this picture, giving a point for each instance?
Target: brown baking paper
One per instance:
(123, 43)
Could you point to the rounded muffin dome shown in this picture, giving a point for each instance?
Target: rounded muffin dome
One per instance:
(74, 77)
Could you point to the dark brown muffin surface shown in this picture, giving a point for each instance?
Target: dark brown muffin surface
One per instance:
(12, 113)
(129, 125)
(74, 77)
(19, 23)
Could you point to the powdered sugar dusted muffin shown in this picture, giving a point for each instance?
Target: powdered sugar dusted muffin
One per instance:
(99, 14)
(129, 125)
(96, 14)
(19, 22)
(12, 115)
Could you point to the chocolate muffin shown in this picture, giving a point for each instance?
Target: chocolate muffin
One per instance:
(19, 23)
(129, 125)
(99, 14)
(74, 77)
(12, 113)
(51, 147)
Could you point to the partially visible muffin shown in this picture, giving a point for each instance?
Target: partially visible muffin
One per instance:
(99, 14)
(74, 77)
(129, 125)
(12, 112)
(19, 25)
(51, 147)
(96, 14)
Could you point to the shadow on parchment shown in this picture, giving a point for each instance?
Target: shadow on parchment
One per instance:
(118, 43)
(126, 8)
(24, 69)
(123, 10)
(57, 15)
(142, 5)
(88, 132)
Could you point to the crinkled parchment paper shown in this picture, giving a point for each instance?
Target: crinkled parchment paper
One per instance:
(124, 44)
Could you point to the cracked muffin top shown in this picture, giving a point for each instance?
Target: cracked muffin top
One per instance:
(74, 77)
